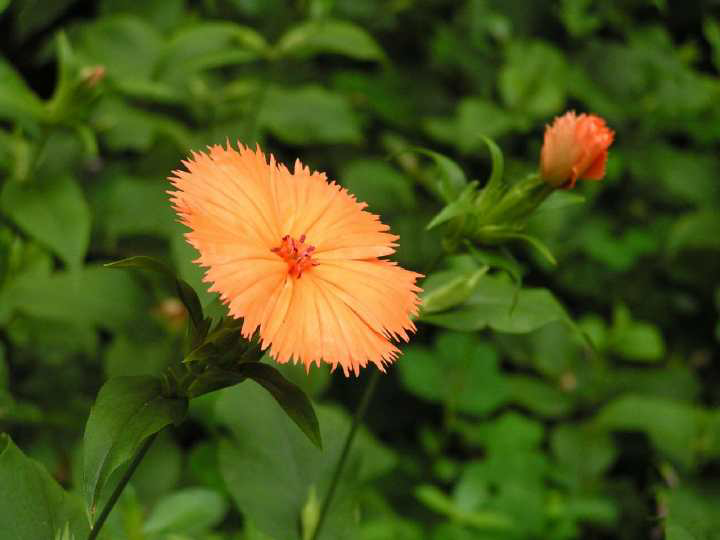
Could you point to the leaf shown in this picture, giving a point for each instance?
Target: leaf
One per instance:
(54, 212)
(450, 293)
(559, 199)
(438, 501)
(534, 242)
(696, 230)
(674, 427)
(127, 46)
(462, 206)
(532, 79)
(17, 101)
(126, 412)
(502, 306)
(498, 162)
(453, 180)
(267, 450)
(90, 296)
(32, 504)
(473, 119)
(639, 341)
(185, 292)
(460, 372)
(382, 187)
(329, 36)
(208, 45)
(293, 400)
(189, 511)
(307, 115)
(539, 397)
(691, 511)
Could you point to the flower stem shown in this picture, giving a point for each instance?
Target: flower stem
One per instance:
(120, 487)
(357, 419)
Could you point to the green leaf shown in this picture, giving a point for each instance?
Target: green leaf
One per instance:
(461, 372)
(538, 396)
(208, 45)
(474, 119)
(534, 242)
(691, 511)
(496, 158)
(17, 101)
(696, 230)
(444, 295)
(559, 199)
(329, 36)
(32, 504)
(532, 79)
(639, 341)
(502, 306)
(452, 180)
(189, 511)
(126, 412)
(90, 296)
(381, 186)
(439, 502)
(293, 400)
(584, 450)
(309, 115)
(464, 205)
(674, 427)
(185, 292)
(267, 450)
(54, 212)
(126, 45)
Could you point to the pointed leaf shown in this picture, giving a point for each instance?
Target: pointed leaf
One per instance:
(453, 179)
(32, 504)
(293, 400)
(185, 292)
(54, 212)
(126, 412)
(463, 205)
(266, 450)
(452, 292)
(330, 36)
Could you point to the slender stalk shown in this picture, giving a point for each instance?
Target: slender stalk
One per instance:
(357, 419)
(120, 487)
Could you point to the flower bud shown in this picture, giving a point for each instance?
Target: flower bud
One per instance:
(575, 147)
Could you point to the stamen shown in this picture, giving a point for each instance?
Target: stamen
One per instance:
(297, 255)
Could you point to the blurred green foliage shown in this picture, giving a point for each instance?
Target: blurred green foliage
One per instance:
(588, 412)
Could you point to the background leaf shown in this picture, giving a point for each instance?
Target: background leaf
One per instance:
(32, 504)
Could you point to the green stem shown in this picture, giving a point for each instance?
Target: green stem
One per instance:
(120, 487)
(357, 419)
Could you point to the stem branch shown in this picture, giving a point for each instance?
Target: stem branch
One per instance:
(357, 419)
(120, 487)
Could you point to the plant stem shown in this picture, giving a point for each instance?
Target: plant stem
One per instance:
(357, 419)
(120, 487)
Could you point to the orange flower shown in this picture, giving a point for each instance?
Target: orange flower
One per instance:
(297, 258)
(575, 147)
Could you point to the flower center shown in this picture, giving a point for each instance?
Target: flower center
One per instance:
(296, 254)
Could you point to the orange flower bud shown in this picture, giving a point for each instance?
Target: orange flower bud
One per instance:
(575, 147)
